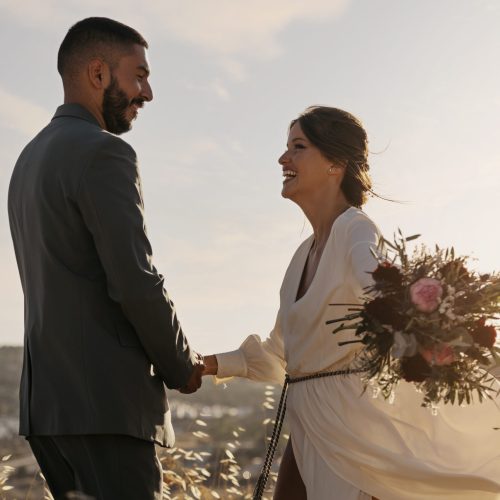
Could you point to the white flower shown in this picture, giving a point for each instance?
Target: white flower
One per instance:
(451, 314)
(405, 345)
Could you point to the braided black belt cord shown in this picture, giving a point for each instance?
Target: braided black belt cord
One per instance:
(278, 424)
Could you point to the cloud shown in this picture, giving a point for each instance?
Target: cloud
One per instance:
(234, 69)
(21, 115)
(191, 153)
(216, 87)
(229, 257)
(228, 31)
(226, 28)
(44, 14)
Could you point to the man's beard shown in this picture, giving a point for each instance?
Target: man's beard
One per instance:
(115, 104)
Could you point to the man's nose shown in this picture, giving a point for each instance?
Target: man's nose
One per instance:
(147, 92)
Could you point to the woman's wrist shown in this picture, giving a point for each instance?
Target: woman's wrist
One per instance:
(211, 365)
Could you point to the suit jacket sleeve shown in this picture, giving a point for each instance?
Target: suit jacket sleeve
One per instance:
(110, 200)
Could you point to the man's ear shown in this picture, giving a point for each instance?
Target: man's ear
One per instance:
(99, 74)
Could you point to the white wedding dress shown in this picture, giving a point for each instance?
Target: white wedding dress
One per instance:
(349, 445)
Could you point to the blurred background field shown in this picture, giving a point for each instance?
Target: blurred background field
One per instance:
(221, 439)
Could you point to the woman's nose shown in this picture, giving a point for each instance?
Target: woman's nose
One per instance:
(283, 158)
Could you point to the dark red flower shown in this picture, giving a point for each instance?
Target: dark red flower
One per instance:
(483, 335)
(384, 310)
(481, 322)
(415, 368)
(440, 354)
(386, 273)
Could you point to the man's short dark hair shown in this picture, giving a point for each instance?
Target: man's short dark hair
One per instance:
(95, 37)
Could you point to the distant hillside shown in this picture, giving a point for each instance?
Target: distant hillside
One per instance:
(216, 421)
(11, 359)
(237, 394)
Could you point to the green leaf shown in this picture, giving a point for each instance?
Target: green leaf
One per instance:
(389, 244)
(350, 342)
(343, 327)
(460, 397)
(414, 237)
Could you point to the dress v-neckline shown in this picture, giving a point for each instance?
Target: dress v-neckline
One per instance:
(304, 264)
(304, 268)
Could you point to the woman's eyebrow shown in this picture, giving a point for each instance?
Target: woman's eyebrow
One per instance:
(295, 139)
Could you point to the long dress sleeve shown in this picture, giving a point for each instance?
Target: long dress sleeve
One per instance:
(255, 359)
(363, 242)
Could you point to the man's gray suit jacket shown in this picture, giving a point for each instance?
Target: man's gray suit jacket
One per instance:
(101, 335)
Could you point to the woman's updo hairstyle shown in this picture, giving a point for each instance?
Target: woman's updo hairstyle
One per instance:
(341, 138)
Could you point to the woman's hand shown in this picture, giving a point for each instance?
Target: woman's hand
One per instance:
(211, 365)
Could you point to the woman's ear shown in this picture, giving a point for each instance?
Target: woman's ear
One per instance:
(337, 168)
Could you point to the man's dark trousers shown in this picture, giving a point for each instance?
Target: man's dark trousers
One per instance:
(101, 467)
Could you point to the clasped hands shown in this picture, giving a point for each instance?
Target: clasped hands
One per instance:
(203, 366)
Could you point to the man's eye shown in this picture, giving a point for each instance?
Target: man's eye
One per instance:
(299, 146)
(140, 77)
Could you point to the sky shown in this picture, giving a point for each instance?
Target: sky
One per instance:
(228, 76)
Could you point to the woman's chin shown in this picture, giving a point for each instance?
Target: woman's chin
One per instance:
(288, 194)
(285, 193)
(287, 190)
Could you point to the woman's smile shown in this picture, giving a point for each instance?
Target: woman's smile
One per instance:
(289, 175)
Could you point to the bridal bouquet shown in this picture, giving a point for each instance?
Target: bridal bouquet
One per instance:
(429, 320)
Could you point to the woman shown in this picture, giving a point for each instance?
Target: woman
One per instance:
(344, 444)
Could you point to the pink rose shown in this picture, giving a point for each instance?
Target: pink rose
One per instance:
(426, 294)
(441, 354)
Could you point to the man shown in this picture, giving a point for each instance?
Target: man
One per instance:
(101, 335)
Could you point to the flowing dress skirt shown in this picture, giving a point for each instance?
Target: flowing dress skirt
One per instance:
(350, 446)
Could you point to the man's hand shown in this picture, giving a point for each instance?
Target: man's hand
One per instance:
(194, 382)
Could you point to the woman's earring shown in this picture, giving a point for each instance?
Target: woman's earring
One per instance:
(331, 170)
